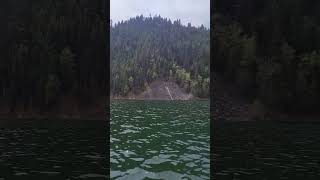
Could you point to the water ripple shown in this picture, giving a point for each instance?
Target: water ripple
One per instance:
(160, 140)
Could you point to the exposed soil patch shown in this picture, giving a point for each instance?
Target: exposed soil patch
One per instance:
(164, 90)
(161, 90)
(67, 108)
(227, 103)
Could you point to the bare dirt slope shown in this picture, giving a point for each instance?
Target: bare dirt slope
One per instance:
(227, 103)
(164, 90)
(68, 107)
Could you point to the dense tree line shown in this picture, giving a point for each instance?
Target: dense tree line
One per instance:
(271, 50)
(52, 49)
(144, 49)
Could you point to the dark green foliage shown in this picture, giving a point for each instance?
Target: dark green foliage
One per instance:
(270, 49)
(54, 48)
(144, 49)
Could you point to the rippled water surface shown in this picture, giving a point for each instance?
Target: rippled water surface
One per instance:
(160, 140)
(53, 150)
(266, 150)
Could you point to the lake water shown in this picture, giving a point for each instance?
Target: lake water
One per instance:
(266, 150)
(51, 149)
(160, 140)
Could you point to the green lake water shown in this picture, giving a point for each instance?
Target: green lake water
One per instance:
(53, 149)
(160, 140)
(266, 151)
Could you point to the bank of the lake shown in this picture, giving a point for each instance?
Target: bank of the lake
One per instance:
(228, 104)
(65, 109)
(160, 90)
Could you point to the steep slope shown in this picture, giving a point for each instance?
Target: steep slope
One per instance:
(146, 49)
(227, 103)
(164, 90)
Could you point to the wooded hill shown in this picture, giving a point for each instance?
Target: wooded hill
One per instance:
(145, 49)
(52, 49)
(271, 50)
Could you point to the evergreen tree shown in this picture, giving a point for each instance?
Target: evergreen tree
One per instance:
(144, 49)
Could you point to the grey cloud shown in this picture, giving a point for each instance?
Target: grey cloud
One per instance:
(196, 12)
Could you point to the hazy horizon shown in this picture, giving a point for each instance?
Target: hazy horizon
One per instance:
(196, 12)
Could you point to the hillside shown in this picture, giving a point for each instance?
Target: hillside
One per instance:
(270, 51)
(52, 50)
(161, 90)
(146, 49)
(227, 102)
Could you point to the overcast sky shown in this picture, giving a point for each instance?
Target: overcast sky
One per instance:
(196, 12)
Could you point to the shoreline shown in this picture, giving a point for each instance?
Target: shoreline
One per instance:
(288, 120)
(147, 99)
(67, 108)
(230, 106)
(284, 118)
(159, 89)
(37, 117)
(78, 115)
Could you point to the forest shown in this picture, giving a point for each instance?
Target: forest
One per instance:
(144, 49)
(271, 50)
(51, 50)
